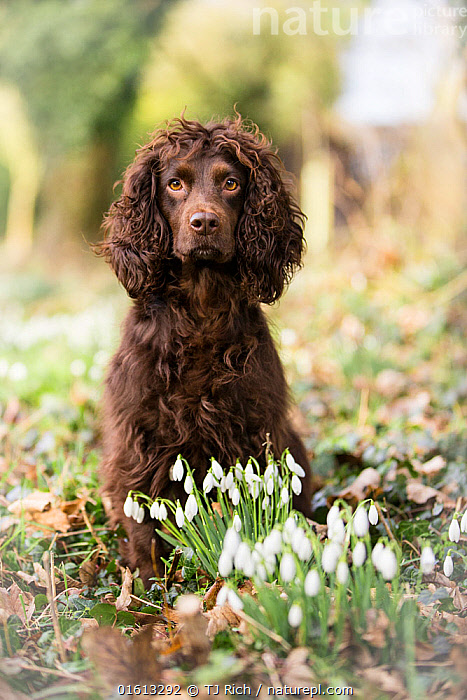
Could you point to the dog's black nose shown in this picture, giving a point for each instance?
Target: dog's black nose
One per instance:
(204, 222)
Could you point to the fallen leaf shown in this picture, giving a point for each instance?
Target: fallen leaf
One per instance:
(377, 625)
(118, 660)
(419, 493)
(124, 599)
(366, 482)
(195, 645)
(296, 670)
(88, 571)
(433, 466)
(14, 601)
(211, 594)
(219, 618)
(386, 681)
(53, 519)
(35, 502)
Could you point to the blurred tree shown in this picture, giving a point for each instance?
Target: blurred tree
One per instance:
(276, 69)
(77, 65)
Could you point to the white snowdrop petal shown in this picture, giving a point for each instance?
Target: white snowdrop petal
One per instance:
(229, 480)
(332, 515)
(179, 516)
(342, 572)
(222, 596)
(361, 523)
(388, 564)
(235, 498)
(454, 531)
(427, 560)
(359, 554)
(237, 523)
(208, 483)
(188, 484)
(336, 531)
(295, 615)
(178, 470)
(140, 517)
(373, 516)
(191, 507)
(154, 511)
(448, 566)
(231, 542)
(330, 556)
(287, 568)
(285, 497)
(217, 469)
(162, 512)
(296, 485)
(225, 565)
(376, 554)
(464, 522)
(312, 583)
(234, 600)
(135, 510)
(128, 507)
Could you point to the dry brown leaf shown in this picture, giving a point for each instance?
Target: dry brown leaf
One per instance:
(211, 594)
(377, 625)
(120, 661)
(387, 681)
(460, 622)
(459, 599)
(368, 480)
(433, 466)
(194, 642)
(390, 383)
(296, 670)
(35, 502)
(124, 599)
(14, 601)
(88, 571)
(53, 519)
(419, 493)
(219, 618)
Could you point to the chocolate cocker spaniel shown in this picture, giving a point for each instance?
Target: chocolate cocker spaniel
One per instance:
(205, 230)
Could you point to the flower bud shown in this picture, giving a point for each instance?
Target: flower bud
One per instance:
(287, 568)
(427, 560)
(191, 507)
(296, 485)
(464, 522)
(237, 523)
(454, 531)
(188, 485)
(177, 470)
(179, 516)
(448, 566)
(128, 507)
(208, 483)
(231, 542)
(235, 497)
(373, 516)
(225, 565)
(342, 572)
(331, 553)
(295, 615)
(360, 522)
(388, 564)
(359, 554)
(154, 510)
(162, 512)
(217, 469)
(312, 583)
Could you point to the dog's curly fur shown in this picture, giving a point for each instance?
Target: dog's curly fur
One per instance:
(197, 372)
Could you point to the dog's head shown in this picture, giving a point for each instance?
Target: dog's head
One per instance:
(209, 195)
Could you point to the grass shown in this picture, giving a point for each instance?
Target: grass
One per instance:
(377, 362)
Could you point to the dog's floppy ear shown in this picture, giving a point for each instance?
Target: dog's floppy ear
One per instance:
(270, 234)
(136, 236)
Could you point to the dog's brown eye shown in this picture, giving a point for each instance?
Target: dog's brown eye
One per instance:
(175, 185)
(231, 185)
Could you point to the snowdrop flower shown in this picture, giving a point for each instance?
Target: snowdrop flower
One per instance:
(154, 511)
(237, 523)
(254, 489)
(295, 615)
(177, 470)
(388, 564)
(222, 485)
(448, 566)
(179, 516)
(128, 507)
(376, 554)
(464, 522)
(239, 472)
(312, 583)
(304, 551)
(284, 496)
(287, 568)
(217, 469)
(188, 485)
(243, 560)
(268, 473)
(18, 372)
(234, 600)
(225, 565)
(331, 553)
(235, 497)
(454, 531)
(140, 517)
(373, 514)
(222, 596)
(162, 512)
(293, 466)
(191, 507)
(359, 554)
(296, 485)
(361, 524)
(427, 560)
(265, 503)
(208, 483)
(249, 473)
(296, 538)
(229, 480)
(269, 486)
(135, 510)
(273, 542)
(342, 572)
(332, 515)
(289, 526)
(337, 531)
(231, 542)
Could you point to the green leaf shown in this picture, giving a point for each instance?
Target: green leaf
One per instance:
(104, 613)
